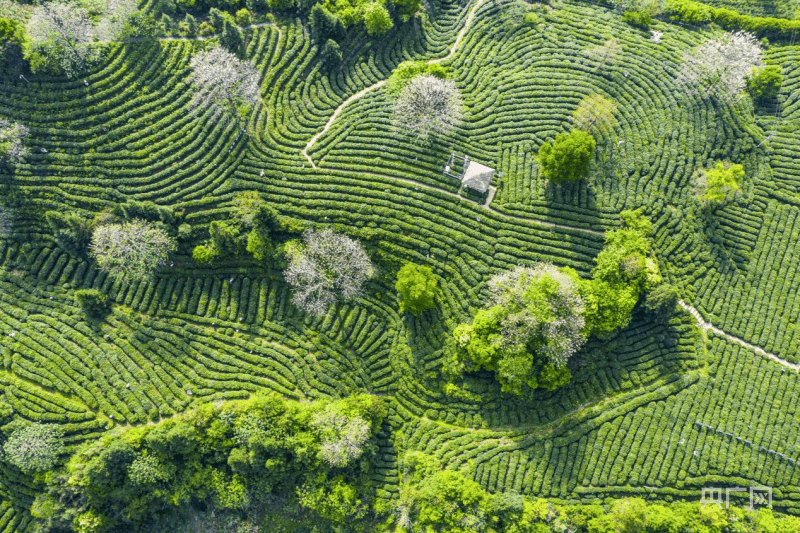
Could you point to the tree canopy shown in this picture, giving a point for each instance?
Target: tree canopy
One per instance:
(568, 157)
(132, 250)
(417, 286)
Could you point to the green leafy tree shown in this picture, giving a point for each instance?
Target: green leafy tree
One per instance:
(325, 25)
(568, 158)
(132, 250)
(34, 447)
(417, 286)
(12, 136)
(93, 302)
(595, 113)
(408, 70)
(765, 84)
(720, 183)
(623, 271)
(406, 9)
(232, 38)
(377, 19)
(72, 232)
(533, 325)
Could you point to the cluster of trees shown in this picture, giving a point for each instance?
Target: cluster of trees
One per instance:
(537, 317)
(532, 325)
(330, 20)
(436, 500)
(63, 37)
(232, 456)
(639, 13)
(417, 287)
(250, 228)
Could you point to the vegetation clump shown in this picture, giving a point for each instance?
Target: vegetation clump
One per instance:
(568, 158)
(417, 286)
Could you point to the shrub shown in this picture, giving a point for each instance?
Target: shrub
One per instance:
(203, 254)
(408, 70)
(765, 83)
(244, 17)
(72, 232)
(568, 158)
(406, 9)
(93, 302)
(417, 287)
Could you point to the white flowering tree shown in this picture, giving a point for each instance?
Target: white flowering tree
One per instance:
(224, 83)
(133, 250)
(429, 106)
(604, 55)
(342, 437)
(326, 267)
(12, 135)
(720, 67)
(64, 34)
(34, 447)
(115, 15)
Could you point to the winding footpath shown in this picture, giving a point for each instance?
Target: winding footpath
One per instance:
(702, 324)
(381, 83)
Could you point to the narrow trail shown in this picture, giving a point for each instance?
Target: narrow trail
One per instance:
(376, 85)
(709, 326)
(417, 184)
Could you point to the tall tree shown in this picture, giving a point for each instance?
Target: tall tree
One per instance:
(428, 107)
(595, 113)
(12, 135)
(326, 267)
(64, 34)
(225, 84)
(720, 67)
(568, 158)
(604, 55)
(133, 250)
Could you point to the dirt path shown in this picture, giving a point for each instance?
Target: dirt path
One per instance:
(364, 91)
(709, 326)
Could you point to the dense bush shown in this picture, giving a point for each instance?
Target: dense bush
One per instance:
(765, 83)
(417, 286)
(568, 157)
(93, 302)
(34, 447)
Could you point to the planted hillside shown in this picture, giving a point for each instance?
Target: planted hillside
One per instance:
(445, 266)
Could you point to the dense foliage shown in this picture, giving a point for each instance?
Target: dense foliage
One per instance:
(568, 157)
(417, 286)
(229, 456)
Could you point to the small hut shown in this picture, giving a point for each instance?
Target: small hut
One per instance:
(471, 174)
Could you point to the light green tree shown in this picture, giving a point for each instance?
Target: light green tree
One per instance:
(417, 286)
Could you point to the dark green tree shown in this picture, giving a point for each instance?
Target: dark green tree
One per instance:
(232, 38)
(568, 158)
(325, 25)
(331, 53)
(93, 302)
